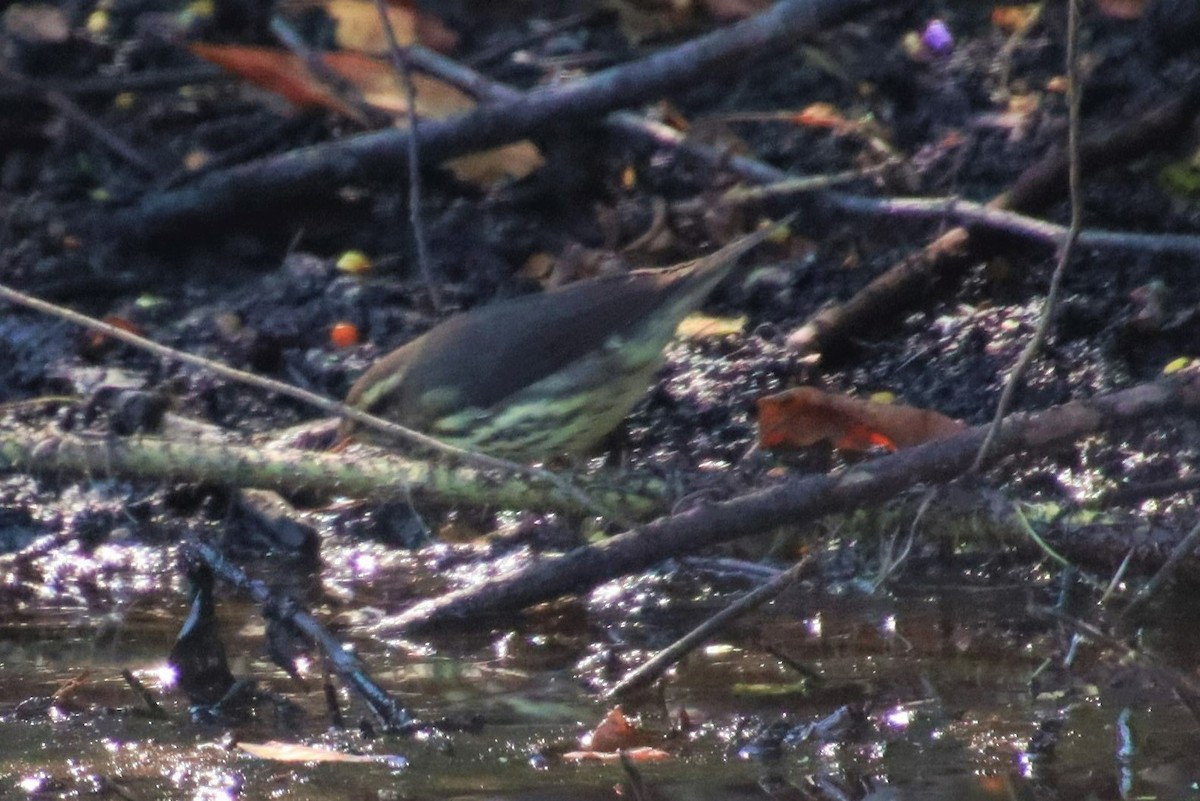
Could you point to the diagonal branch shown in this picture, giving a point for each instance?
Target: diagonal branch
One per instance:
(322, 169)
(801, 499)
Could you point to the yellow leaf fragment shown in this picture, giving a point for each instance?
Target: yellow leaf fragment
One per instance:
(1175, 365)
(354, 262)
(698, 326)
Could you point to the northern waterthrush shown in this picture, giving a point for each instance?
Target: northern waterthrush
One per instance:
(545, 374)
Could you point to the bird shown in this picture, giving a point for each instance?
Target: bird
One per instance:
(543, 375)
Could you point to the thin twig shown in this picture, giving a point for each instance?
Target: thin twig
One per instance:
(71, 110)
(554, 28)
(1181, 551)
(400, 62)
(387, 709)
(775, 183)
(1172, 677)
(651, 669)
(1074, 91)
(109, 85)
(1114, 583)
(1005, 56)
(362, 111)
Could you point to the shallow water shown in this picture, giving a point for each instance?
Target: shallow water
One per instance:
(942, 675)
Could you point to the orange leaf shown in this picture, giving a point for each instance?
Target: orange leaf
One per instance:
(1011, 19)
(286, 75)
(614, 733)
(821, 115)
(804, 416)
(95, 343)
(276, 71)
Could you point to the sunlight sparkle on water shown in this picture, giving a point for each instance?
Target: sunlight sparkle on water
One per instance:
(899, 718)
(214, 785)
(364, 564)
(35, 783)
(165, 675)
(609, 592)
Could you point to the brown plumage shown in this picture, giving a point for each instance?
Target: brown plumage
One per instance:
(544, 374)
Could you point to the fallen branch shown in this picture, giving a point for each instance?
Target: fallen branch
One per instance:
(380, 477)
(767, 182)
(322, 169)
(390, 713)
(800, 500)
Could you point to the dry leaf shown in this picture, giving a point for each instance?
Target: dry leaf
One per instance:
(37, 22)
(538, 267)
(1122, 9)
(640, 754)
(67, 691)
(804, 416)
(359, 27)
(697, 326)
(822, 115)
(295, 752)
(732, 10)
(614, 733)
(377, 81)
(489, 166)
(287, 76)
(1011, 19)
(276, 71)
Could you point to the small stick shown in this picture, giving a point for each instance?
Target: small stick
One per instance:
(71, 110)
(1180, 552)
(401, 64)
(389, 711)
(651, 669)
(1074, 180)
